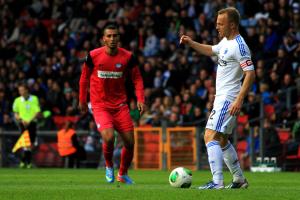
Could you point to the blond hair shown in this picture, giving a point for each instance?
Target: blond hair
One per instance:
(232, 13)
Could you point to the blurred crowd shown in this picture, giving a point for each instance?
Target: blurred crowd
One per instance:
(43, 43)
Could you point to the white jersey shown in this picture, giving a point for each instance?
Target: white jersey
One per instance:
(233, 58)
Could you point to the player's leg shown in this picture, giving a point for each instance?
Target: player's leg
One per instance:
(23, 155)
(126, 157)
(212, 139)
(71, 161)
(124, 125)
(32, 134)
(108, 139)
(103, 119)
(215, 158)
(232, 162)
(229, 153)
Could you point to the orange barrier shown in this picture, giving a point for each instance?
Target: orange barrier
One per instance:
(148, 148)
(181, 147)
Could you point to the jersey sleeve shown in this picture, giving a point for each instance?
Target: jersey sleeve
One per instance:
(37, 104)
(243, 56)
(216, 48)
(138, 84)
(132, 61)
(15, 106)
(136, 79)
(84, 81)
(89, 61)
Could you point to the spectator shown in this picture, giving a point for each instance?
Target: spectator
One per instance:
(272, 145)
(265, 93)
(295, 140)
(252, 109)
(172, 120)
(68, 146)
(46, 43)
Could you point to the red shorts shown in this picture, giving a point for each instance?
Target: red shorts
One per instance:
(118, 119)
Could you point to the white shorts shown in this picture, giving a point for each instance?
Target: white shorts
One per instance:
(219, 119)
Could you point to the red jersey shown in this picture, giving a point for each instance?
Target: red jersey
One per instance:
(106, 75)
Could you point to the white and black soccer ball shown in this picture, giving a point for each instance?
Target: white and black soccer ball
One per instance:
(180, 177)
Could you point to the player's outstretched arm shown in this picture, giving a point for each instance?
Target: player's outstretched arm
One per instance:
(200, 48)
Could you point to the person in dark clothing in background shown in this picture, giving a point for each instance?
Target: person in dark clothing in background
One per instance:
(272, 143)
(68, 146)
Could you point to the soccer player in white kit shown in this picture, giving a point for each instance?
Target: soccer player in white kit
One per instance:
(234, 62)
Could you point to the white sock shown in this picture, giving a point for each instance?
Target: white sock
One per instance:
(232, 162)
(215, 158)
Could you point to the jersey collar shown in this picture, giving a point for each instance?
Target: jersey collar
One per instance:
(23, 99)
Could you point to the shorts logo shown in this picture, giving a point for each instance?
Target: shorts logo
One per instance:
(98, 125)
(118, 65)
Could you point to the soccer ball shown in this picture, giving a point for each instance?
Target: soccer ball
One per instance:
(180, 177)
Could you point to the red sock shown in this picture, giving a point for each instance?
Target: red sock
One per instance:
(108, 151)
(126, 158)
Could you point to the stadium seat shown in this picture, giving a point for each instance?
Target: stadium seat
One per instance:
(292, 162)
(284, 135)
(242, 120)
(269, 110)
(47, 156)
(242, 146)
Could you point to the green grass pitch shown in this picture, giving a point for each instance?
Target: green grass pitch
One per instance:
(90, 184)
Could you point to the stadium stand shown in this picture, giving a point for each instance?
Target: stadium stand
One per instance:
(43, 43)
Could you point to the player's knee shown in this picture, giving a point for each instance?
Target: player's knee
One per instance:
(108, 139)
(108, 136)
(129, 145)
(209, 136)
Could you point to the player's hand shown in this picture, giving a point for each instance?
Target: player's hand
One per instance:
(141, 107)
(83, 107)
(235, 107)
(184, 39)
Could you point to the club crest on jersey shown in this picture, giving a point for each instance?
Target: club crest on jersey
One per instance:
(118, 65)
(226, 50)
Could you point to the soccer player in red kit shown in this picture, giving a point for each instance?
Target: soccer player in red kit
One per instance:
(104, 72)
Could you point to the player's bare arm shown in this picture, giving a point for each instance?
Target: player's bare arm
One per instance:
(200, 48)
(237, 104)
(83, 107)
(141, 107)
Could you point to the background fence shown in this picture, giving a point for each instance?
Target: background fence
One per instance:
(165, 148)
